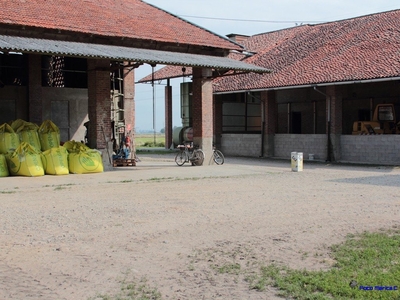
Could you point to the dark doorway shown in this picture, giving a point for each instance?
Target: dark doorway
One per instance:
(364, 115)
(296, 122)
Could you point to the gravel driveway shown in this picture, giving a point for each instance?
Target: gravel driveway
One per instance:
(77, 236)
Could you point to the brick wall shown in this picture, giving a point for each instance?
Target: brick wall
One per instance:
(129, 100)
(202, 112)
(99, 107)
(374, 149)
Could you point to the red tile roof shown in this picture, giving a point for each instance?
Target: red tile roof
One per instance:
(356, 49)
(128, 18)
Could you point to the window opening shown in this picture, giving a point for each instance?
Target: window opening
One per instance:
(241, 113)
(64, 72)
(13, 69)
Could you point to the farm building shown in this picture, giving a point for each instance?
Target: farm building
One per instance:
(333, 93)
(75, 66)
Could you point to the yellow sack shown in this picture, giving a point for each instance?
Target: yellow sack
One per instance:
(3, 166)
(9, 140)
(55, 161)
(84, 162)
(17, 124)
(73, 146)
(28, 133)
(25, 161)
(49, 135)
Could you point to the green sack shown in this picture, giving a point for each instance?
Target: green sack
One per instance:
(49, 135)
(3, 166)
(25, 161)
(9, 140)
(55, 161)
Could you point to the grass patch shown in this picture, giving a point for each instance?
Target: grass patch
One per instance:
(233, 268)
(369, 260)
(147, 140)
(58, 187)
(7, 192)
(133, 291)
(150, 151)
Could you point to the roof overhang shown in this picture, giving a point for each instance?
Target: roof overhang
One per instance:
(120, 53)
(312, 85)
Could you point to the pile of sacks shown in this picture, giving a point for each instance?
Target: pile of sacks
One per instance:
(27, 149)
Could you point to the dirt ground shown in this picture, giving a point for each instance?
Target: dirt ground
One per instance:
(78, 236)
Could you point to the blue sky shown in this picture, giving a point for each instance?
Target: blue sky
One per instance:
(243, 17)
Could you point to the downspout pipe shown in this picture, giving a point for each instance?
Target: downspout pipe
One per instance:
(262, 122)
(329, 144)
(262, 128)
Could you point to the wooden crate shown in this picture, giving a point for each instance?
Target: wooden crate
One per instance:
(120, 162)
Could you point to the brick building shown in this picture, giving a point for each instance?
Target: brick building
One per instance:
(324, 78)
(67, 64)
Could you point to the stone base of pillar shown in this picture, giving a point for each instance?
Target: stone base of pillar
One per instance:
(206, 145)
(269, 140)
(107, 157)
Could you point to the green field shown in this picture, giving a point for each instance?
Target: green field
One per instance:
(147, 140)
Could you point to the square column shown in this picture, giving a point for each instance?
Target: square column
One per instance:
(168, 115)
(99, 108)
(35, 89)
(202, 108)
(269, 113)
(129, 99)
(334, 117)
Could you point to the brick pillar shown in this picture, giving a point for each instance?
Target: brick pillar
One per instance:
(269, 113)
(217, 108)
(35, 89)
(203, 111)
(99, 108)
(335, 100)
(168, 115)
(129, 100)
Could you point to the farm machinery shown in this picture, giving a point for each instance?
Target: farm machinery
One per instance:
(383, 122)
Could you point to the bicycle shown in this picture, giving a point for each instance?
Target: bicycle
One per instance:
(218, 157)
(189, 153)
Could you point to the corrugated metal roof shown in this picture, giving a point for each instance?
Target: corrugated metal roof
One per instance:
(64, 48)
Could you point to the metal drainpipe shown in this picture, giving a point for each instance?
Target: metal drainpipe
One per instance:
(328, 159)
(248, 94)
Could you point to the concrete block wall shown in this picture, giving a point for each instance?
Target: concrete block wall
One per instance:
(307, 143)
(241, 144)
(77, 113)
(373, 149)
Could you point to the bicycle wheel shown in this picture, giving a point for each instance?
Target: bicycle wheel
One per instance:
(198, 157)
(181, 158)
(218, 157)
